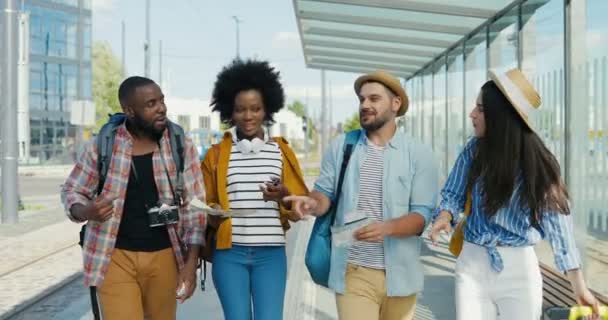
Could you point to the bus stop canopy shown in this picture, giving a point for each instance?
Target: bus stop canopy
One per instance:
(399, 36)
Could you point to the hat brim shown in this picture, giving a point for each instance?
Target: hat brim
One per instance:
(514, 104)
(396, 89)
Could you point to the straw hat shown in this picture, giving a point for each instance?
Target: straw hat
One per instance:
(388, 81)
(520, 92)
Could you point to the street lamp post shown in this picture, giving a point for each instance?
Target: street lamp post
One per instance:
(147, 44)
(237, 21)
(9, 137)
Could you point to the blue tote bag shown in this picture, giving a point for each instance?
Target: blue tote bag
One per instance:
(318, 251)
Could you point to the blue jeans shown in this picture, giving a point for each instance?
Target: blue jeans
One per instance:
(251, 275)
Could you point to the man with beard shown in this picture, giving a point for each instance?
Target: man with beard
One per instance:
(391, 183)
(139, 262)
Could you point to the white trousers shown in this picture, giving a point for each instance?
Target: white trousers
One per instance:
(515, 293)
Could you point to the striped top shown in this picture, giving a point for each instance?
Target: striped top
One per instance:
(245, 174)
(511, 225)
(362, 253)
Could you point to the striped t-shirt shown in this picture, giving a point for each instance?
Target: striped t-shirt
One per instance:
(362, 253)
(245, 174)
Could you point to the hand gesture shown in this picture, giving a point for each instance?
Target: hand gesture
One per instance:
(302, 205)
(274, 190)
(186, 283)
(215, 221)
(374, 232)
(99, 210)
(441, 224)
(584, 297)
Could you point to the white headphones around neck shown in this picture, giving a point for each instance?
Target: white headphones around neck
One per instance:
(249, 146)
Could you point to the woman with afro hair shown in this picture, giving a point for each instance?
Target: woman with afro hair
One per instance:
(250, 172)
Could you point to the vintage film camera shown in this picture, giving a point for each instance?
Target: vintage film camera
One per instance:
(163, 215)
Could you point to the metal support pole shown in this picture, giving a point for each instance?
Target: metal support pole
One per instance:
(10, 154)
(330, 122)
(23, 75)
(323, 113)
(123, 49)
(237, 22)
(147, 44)
(306, 135)
(160, 63)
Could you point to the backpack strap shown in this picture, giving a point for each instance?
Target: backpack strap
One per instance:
(177, 139)
(350, 142)
(105, 143)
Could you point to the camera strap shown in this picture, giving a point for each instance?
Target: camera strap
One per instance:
(176, 200)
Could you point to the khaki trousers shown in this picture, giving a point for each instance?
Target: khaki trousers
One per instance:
(365, 297)
(138, 285)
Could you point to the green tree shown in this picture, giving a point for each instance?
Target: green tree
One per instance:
(107, 75)
(298, 108)
(352, 123)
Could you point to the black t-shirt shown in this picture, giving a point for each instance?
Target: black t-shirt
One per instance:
(134, 233)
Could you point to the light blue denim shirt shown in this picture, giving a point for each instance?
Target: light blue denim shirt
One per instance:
(410, 186)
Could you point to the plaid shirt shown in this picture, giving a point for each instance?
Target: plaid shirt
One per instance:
(80, 187)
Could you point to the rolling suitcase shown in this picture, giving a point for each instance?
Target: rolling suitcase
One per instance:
(574, 313)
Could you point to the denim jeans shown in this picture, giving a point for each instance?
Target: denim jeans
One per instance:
(247, 278)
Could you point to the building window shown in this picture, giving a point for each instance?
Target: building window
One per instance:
(204, 122)
(184, 122)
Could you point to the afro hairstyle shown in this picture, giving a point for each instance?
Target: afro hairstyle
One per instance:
(247, 75)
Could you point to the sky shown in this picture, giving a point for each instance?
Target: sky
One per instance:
(199, 38)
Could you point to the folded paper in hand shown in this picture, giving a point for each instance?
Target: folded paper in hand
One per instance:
(220, 212)
(342, 236)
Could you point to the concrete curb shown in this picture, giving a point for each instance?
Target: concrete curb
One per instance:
(46, 171)
(43, 294)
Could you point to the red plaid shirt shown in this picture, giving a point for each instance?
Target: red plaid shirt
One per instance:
(80, 187)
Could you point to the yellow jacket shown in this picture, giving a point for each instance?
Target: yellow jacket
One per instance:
(215, 170)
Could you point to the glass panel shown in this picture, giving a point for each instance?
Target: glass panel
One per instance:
(86, 78)
(542, 44)
(53, 32)
(419, 108)
(411, 114)
(595, 189)
(427, 108)
(543, 61)
(456, 114)
(503, 42)
(475, 64)
(439, 116)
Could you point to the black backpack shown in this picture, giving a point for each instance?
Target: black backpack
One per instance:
(105, 143)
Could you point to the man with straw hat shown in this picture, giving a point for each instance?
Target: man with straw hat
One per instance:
(387, 195)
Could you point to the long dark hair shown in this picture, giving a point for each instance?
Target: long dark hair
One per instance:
(509, 148)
